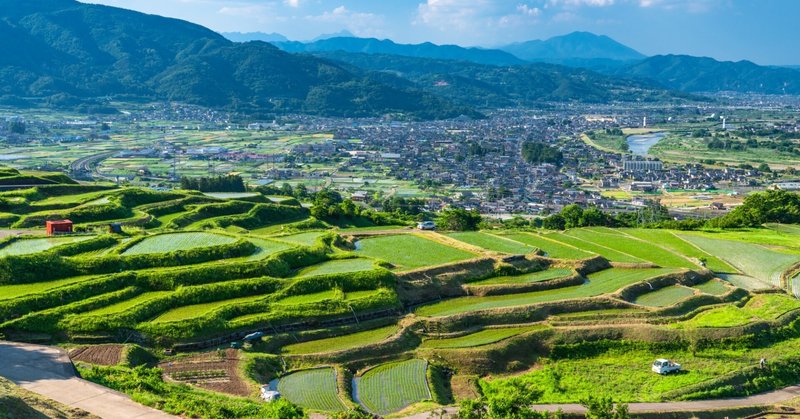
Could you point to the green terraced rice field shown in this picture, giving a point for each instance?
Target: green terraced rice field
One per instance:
(593, 314)
(795, 285)
(408, 251)
(266, 248)
(671, 241)
(340, 343)
(391, 387)
(312, 389)
(551, 248)
(338, 266)
(308, 298)
(484, 337)
(754, 260)
(528, 278)
(771, 306)
(494, 243)
(713, 287)
(606, 252)
(125, 305)
(231, 195)
(665, 297)
(163, 243)
(725, 316)
(603, 282)
(634, 247)
(29, 246)
(355, 295)
(199, 310)
(8, 292)
(746, 282)
(303, 239)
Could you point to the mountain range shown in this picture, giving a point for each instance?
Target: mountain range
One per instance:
(66, 54)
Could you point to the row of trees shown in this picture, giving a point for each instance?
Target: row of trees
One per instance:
(228, 183)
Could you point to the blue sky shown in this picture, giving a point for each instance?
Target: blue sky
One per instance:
(764, 31)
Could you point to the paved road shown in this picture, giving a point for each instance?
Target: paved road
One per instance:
(49, 372)
(764, 399)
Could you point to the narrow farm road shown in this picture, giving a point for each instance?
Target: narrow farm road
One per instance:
(48, 371)
(764, 399)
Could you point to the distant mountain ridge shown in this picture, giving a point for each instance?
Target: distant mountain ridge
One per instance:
(577, 49)
(65, 51)
(385, 46)
(254, 36)
(703, 74)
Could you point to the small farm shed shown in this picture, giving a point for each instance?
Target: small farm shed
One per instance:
(115, 228)
(58, 227)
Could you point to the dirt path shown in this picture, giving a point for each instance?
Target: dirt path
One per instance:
(47, 371)
(764, 399)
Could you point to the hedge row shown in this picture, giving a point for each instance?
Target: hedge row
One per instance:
(263, 215)
(97, 243)
(205, 211)
(48, 266)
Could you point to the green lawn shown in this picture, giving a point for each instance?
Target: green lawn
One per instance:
(551, 248)
(163, 243)
(603, 282)
(484, 337)
(757, 261)
(664, 297)
(494, 243)
(28, 246)
(408, 251)
(340, 343)
(528, 278)
(313, 389)
(391, 387)
(338, 266)
(199, 310)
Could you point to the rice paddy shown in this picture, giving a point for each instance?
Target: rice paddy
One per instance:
(338, 266)
(664, 297)
(392, 387)
(483, 337)
(313, 389)
(164, 243)
(494, 243)
(410, 251)
(552, 248)
(30, 246)
(340, 343)
(528, 278)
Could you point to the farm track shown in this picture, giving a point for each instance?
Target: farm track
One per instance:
(764, 399)
(47, 371)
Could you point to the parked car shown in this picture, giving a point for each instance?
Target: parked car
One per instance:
(427, 225)
(665, 366)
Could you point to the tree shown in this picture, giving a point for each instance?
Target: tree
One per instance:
(511, 400)
(764, 167)
(17, 127)
(458, 219)
(572, 215)
(537, 153)
(604, 408)
(554, 222)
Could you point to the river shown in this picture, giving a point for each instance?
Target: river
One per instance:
(640, 144)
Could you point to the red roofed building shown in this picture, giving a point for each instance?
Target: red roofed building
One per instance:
(58, 227)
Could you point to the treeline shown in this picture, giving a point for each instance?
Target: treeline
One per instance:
(758, 209)
(227, 183)
(536, 153)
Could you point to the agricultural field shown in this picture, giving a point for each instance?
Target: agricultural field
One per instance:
(343, 342)
(164, 243)
(312, 389)
(665, 297)
(759, 262)
(409, 251)
(338, 266)
(603, 282)
(325, 306)
(528, 278)
(493, 243)
(33, 245)
(552, 248)
(483, 337)
(391, 387)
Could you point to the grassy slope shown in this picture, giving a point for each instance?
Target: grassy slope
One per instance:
(18, 403)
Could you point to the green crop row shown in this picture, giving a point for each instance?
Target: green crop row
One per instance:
(263, 215)
(205, 211)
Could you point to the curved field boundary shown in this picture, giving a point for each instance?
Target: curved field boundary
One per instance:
(314, 389)
(391, 387)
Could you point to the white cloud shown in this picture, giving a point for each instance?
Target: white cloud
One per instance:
(528, 10)
(292, 3)
(359, 23)
(692, 6)
(580, 3)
